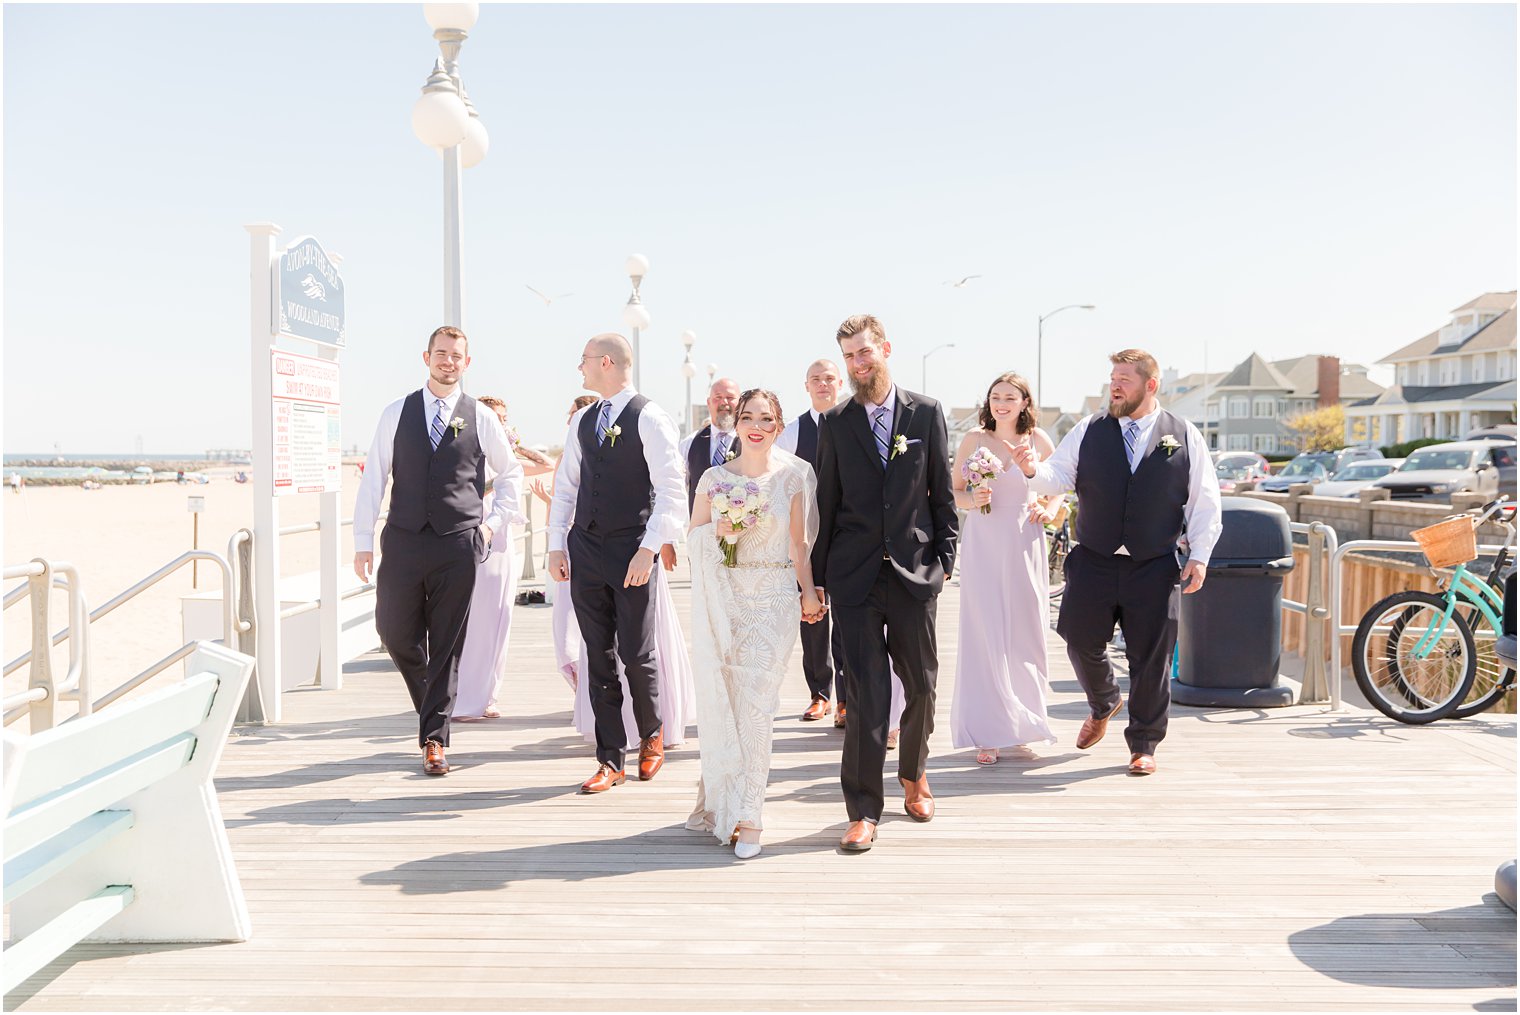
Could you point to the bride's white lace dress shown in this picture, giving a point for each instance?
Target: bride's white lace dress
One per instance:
(744, 624)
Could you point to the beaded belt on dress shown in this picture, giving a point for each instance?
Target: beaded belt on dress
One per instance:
(764, 563)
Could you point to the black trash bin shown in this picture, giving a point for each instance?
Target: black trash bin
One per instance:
(1229, 635)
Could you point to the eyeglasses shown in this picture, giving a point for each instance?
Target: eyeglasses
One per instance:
(764, 425)
(584, 358)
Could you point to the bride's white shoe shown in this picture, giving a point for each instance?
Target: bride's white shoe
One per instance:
(746, 850)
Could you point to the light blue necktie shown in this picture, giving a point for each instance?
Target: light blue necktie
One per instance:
(719, 447)
(435, 432)
(1131, 432)
(603, 422)
(879, 431)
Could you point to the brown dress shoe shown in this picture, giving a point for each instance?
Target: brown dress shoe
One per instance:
(605, 778)
(918, 802)
(1142, 764)
(1093, 728)
(859, 837)
(817, 710)
(433, 761)
(651, 755)
(839, 716)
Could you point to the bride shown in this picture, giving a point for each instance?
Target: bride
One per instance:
(745, 613)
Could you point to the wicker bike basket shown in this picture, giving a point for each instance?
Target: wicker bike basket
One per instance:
(1450, 542)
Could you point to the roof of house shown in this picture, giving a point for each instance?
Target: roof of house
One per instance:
(1496, 334)
(1489, 301)
(1404, 394)
(1302, 372)
(1255, 373)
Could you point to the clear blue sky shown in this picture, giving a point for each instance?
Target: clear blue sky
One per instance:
(1283, 179)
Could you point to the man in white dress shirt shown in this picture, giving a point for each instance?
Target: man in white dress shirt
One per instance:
(617, 500)
(1143, 476)
(715, 443)
(435, 443)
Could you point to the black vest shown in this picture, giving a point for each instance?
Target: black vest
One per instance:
(699, 460)
(444, 488)
(807, 440)
(1142, 512)
(616, 494)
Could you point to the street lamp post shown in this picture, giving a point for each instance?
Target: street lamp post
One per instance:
(688, 370)
(635, 317)
(923, 377)
(1039, 349)
(445, 119)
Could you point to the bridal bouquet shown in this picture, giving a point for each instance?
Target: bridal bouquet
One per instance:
(742, 505)
(981, 467)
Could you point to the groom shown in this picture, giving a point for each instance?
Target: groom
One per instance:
(617, 500)
(886, 541)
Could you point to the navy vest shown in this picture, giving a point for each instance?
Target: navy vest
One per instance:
(616, 494)
(1142, 512)
(699, 460)
(443, 489)
(807, 440)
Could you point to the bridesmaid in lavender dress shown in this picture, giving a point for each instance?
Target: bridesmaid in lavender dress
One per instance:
(1001, 681)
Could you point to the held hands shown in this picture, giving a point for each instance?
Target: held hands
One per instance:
(364, 565)
(559, 565)
(1041, 514)
(668, 557)
(639, 568)
(1024, 458)
(813, 608)
(1192, 577)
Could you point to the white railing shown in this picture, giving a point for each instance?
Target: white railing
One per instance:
(1317, 614)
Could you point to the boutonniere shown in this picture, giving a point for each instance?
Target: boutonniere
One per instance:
(1169, 443)
(899, 446)
(730, 454)
(456, 424)
(612, 433)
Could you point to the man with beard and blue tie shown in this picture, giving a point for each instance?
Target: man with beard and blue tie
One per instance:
(714, 443)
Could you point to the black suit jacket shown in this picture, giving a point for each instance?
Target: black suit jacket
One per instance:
(905, 510)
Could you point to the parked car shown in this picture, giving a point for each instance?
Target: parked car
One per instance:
(1355, 453)
(1238, 467)
(1440, 470)
(1356, 477)
(1309, 467)
(1497, 432)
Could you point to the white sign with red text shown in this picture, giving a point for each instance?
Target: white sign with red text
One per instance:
(307, 457)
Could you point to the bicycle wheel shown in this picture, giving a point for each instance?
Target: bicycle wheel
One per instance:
(1409, 664)
(1060, 546)
(1492, 679)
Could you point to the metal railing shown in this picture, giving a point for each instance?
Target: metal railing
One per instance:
(1322, 544)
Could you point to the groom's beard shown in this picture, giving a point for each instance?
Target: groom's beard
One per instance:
(873, 390)
(1119, 410)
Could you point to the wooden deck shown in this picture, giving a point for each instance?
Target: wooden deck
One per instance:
(1290, 859)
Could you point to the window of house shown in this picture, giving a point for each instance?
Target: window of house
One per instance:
(1265, 407)
(1240, 408)
(1211, 412)
(1477, 367)
(1424, 373)
(1264, 443)
(1506, 365)
(1240, 442)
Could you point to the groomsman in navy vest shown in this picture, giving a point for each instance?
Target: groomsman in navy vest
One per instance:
(822, 652)
(617, 501)
(435, 444)
(715, 443)
(1143, 476)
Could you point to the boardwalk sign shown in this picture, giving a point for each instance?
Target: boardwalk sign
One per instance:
(306, 424)
(309, 294)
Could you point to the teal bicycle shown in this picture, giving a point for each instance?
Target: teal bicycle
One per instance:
(1423, 656)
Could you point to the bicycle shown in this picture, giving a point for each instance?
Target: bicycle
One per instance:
(1416, 655)
(1059, 543)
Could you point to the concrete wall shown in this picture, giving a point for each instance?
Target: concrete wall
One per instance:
(1373, 515)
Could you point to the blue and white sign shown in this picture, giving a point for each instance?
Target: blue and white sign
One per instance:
(309, 294)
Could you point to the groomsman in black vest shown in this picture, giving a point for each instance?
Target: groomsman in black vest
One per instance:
(886, 540)
(617, 501)
(1143, 476)
(822, 653)
(716, 442)
(435, 444)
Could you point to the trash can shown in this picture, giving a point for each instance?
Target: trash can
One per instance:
(1229, 635)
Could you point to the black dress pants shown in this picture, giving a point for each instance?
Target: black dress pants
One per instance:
(892, 630)
(1141, 596)
(616, 623)
(823, 659)
(422, 603)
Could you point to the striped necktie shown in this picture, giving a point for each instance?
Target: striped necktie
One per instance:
(719, 447)
(1131, 432)
(435, 432)
(879, 431)
(603, 422)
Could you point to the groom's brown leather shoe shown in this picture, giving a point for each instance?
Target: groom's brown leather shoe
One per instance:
(839, 716)
(605, 778)
(651, 756)
(1142, 764)
(433, 761)
(1093, 728)
(817, 710)
(859, 837)
(917, 800)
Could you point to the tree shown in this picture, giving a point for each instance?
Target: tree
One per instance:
(1319, 429)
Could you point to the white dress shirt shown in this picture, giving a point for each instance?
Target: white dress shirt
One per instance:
(688, 441)
(500, 459)
(1058, 474)
(667, 471)
(788, 439)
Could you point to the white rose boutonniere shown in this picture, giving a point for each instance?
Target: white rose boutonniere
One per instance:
(900, 445)
(1169, 443)
(456, 424)
(612, 433)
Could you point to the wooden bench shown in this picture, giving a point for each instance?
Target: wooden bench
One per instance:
(112, 828)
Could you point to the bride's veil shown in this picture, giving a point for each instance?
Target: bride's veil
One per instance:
(805, 481)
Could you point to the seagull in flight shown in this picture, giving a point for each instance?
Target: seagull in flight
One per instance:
(962, 283)
(547, 299)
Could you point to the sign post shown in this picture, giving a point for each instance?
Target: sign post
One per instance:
(196, 505)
